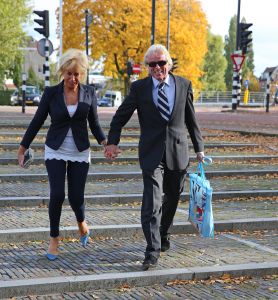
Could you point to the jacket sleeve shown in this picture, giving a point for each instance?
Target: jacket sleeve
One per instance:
(38, 120)
(122, 116)
(93, 119)
(191, 122)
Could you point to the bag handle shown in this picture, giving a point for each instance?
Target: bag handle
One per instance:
(206, 161)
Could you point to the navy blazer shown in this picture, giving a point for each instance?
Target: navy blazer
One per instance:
(53, 104)
(158, 136)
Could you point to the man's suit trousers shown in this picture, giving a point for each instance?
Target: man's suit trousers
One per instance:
(158, 211)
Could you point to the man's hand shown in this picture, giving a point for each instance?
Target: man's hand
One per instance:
(111, 151)
(200, 156)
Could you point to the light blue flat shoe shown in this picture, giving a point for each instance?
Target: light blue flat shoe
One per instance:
(84, 239)
(51, 256)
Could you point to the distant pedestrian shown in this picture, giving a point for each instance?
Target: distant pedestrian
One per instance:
(70, 105)
(164, 104)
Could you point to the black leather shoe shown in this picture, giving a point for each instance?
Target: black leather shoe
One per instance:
(165, 245)
(149, 261)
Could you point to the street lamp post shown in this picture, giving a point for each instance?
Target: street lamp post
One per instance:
(168, 26)
(153, 23)
(237, 25)
(88, 21)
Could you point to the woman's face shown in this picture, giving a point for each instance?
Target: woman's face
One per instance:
(72, 77)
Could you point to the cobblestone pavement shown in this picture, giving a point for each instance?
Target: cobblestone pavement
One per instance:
(108, 255)
(135, 186)
(134, 167)
(28, 217)
(253, 119)
(4, 153)
(212, 289)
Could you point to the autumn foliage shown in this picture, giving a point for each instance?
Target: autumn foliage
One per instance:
(121, 30)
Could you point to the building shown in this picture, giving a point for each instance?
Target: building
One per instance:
(272, 74)
(32, 59)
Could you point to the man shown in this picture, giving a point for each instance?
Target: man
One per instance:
(164, 104)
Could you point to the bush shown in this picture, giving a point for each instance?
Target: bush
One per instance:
(5, 97)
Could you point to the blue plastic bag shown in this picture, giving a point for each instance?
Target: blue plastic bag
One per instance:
(200, 206)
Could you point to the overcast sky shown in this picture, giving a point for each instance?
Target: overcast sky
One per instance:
(263, 15)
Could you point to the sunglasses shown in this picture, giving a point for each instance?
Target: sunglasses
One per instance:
(161, 63)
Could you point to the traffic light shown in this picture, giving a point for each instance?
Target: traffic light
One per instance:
(244, 36)
(129, 68)
(175, 64)
(44, 22)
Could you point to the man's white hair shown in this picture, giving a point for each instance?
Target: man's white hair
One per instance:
(158, 49)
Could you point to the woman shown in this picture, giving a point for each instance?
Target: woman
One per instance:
(70, 105)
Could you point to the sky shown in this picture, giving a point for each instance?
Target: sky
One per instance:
(263, 15)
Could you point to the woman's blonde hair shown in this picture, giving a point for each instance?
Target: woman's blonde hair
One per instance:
(74, 58)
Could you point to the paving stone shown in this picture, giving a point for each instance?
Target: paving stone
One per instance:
(123, 255)
(32, 217)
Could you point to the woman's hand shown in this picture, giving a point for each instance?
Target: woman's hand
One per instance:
(103, 143)
(111, 151)
(20, 155)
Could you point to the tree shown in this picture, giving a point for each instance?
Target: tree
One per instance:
(121, 31)
(230, 46)
(214, 64)
(11, 34)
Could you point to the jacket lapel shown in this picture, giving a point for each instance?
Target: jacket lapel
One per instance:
(177, 94)
(60, 97)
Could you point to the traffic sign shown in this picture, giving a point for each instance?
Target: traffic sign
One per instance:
(238, 60)
(41, 47)
(136, 69)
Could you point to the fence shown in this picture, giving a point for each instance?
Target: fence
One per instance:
(225, 97)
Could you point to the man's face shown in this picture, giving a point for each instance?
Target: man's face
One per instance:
(158, 66)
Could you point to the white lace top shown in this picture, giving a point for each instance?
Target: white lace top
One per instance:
(68, 150)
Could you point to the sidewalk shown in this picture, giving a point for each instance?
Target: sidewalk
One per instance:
(251, 120)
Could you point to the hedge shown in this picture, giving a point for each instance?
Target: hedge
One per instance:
(5, 97)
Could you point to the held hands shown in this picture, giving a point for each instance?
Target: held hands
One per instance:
(111, 151)
(20, 155)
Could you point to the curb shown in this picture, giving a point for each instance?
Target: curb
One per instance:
(132, 175)
(126, 230)
(81, 283)
(95, 147)
(101, 159)
(129, 198)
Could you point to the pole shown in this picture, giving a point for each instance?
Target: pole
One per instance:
(237, 25)
(61, 27)
(234, 92)
(23, 92)
(153, 23)
(267, 94)
(46, 70)
(87, 38)
(239, 86)
(168, 27)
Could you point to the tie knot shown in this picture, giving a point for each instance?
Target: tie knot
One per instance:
(161, 85)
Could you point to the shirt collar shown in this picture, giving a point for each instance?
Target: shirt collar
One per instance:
(156, 82)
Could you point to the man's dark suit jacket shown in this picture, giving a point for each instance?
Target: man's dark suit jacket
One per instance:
(53, 103)
(157, 136)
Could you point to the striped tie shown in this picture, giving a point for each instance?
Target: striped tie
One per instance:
(162, 102)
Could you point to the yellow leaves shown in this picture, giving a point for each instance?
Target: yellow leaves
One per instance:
(121, 30)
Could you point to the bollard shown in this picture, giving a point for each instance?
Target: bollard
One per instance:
(23, 92)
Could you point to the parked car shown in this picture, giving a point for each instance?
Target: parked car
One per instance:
(32, 96)
(104, 102)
